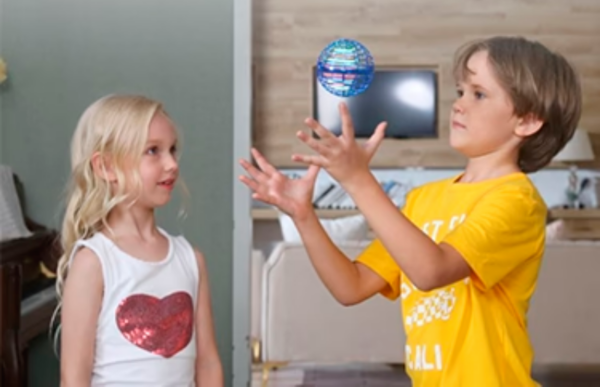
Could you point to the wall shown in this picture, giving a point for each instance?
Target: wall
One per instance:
(65, 54)
(288, 36)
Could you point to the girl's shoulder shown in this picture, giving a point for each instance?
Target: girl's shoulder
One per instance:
(96, 242)
(178, 239)
(182, 246)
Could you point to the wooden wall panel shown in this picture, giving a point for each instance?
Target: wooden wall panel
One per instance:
(289, 35)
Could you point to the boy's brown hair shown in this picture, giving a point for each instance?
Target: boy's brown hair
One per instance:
(539, 82)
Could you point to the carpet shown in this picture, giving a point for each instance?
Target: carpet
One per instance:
(396, 377)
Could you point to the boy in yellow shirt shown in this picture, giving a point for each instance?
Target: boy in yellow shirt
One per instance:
(464, 253)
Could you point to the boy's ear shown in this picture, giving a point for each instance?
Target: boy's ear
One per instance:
(103, 168)
(528, 125)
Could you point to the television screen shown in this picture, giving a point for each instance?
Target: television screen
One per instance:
(405, 98)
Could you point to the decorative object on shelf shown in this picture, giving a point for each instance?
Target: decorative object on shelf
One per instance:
(2, 71)
(345, 68)
(333, 196)
(597, 191)
(578, 149)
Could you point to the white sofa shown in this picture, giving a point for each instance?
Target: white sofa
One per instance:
(296, 320)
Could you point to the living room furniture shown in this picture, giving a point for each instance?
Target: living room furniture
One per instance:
(578, 149)
(579, 224)
(296, 320)
(27, 297)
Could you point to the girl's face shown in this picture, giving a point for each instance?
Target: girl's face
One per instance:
(159, 168)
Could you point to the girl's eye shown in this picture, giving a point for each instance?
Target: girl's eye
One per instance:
(459, 92)
(152, 151)
(173, 150)
(479, 95)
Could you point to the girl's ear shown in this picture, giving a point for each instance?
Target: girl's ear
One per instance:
(103, 168)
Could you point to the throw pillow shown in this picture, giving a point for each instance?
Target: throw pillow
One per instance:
(349, 228)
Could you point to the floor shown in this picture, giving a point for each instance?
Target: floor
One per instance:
(380, 376)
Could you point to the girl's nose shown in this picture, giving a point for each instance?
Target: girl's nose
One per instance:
(171, 163)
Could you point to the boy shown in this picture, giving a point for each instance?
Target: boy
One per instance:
(464, 253)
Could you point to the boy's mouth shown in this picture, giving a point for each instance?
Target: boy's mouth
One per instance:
(458, 125)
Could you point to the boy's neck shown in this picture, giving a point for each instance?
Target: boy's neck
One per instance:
(488, 167)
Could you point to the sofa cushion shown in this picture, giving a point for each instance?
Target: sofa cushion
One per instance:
(348, 228)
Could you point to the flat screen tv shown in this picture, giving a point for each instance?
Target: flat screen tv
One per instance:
(405, 98)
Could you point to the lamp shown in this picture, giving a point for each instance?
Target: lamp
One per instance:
(578, 149)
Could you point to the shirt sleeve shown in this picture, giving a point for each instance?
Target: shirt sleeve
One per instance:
(376, 258)
(505, 229)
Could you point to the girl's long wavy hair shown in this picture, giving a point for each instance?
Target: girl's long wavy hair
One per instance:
(114, 129)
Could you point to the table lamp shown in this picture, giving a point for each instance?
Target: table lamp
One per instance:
(578, 149)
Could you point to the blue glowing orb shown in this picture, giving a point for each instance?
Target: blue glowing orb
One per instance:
(345, 68)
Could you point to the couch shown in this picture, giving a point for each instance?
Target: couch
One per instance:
(296, 320)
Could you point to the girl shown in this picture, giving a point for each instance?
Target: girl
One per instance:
(135, 303)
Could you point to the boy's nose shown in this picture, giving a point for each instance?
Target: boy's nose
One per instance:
(457, 107)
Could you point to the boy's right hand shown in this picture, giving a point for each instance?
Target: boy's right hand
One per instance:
(292, 196)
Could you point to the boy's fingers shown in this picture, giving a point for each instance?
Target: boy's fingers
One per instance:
(262, 162)
(347, 125)
(310, 160)
(375, 140)
(326, 136)
(312, 172)
(313, 143)
(252, 184)
(252, 171)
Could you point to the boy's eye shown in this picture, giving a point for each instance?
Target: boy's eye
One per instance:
(459, 92)
(479, 95)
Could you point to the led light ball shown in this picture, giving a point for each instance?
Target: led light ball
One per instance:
(345, 68)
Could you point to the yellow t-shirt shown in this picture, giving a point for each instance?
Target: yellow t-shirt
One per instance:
(472, 333)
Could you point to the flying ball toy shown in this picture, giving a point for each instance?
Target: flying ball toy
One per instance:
(345, 68)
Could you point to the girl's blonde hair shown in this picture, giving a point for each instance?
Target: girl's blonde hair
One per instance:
(115, 129)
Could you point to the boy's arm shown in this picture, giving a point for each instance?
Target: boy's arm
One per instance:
(349, 282)
(426, 264)
(209, 371)
(81, 302)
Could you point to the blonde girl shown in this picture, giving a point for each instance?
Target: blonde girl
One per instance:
(135, 303)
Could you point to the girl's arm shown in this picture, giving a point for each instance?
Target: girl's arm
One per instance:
(81, 302)
(209, 372)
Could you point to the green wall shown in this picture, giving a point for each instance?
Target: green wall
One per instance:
(64, 54)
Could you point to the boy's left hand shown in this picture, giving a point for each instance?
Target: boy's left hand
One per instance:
(341, 156)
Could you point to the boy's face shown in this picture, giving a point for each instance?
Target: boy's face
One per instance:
(482, 121)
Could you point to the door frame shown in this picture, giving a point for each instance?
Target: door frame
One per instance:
(242, 203)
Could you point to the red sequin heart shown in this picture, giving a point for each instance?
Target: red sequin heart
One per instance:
(161, 326)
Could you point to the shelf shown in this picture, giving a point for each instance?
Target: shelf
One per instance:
(271, 214)
(587, 213)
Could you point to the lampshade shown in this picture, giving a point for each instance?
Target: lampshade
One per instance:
(578, 149)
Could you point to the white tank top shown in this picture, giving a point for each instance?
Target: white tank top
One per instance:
(146, 329)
